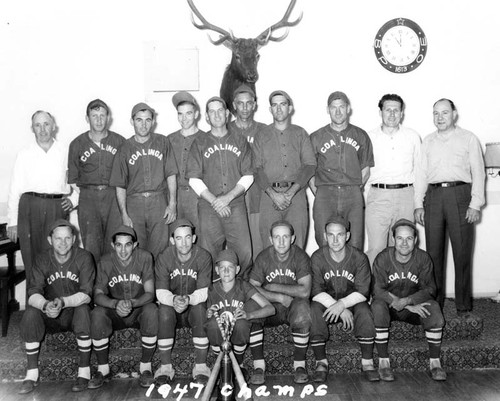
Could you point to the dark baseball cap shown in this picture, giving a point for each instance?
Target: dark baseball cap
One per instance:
(184, 97)
(142, 107)
(404, 222)
(60, 223)
(180, 223)
(281, 223)
(337, 95)
(97, 104)
(338, 219)
(216, 99)
(125, 230)
(243, 89)
(282, 93)
(227, 255)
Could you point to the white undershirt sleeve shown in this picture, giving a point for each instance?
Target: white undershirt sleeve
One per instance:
(246, 181)
(353, 299)
(165, 297)
(197, 185)
(198, 296)
(324, 299)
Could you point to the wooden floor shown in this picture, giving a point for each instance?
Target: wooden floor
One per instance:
(475, 385)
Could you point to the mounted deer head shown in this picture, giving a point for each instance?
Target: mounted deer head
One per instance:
(243, 66)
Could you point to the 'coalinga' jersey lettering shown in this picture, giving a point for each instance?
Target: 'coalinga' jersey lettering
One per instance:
(60, 276)
(90, 151)
(223, 146)
(123, 278)
(331, 144)
(339, 273)
(140, 153)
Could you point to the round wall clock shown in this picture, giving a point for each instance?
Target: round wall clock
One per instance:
(400, 45)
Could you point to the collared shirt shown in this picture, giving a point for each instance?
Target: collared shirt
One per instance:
(283, 156)
(454, 156)
(181, 145)
(90, 163)
(396, 156)
(38, 171)
(341, 155)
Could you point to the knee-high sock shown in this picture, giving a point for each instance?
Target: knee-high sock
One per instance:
(165, 347)
(239, 352)
(84, 347)
(319, 349)
(101, 348)
(300, 343)
(382, 341)
(257, 347)
(200, 349)
(32, 352)
(434, 337)
(366, 344)
(148, 348)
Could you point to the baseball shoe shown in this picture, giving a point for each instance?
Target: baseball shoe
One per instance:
(371, 375)
(28, 386)
(438, 374)
(81, 384)
(200, 379)
(321, 373)
(201, 374)
(258, 377)
(300, 376)
(496, 298)
(146, 379)
(386, 374)
(98, 380)
(163, 379)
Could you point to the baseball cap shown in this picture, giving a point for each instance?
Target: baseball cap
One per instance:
(97, 104)
(280, 223)
(216, 99)
(337, 95)
(404, 222)
(180, 223)
(125, 230)
(282, 93)
(338, 219)
(142, 107)
(60, 223)
(243, 89)
(184, 97)
(227, 255)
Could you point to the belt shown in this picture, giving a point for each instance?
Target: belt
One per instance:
(148, 194)
(282, 184)
(45, 196)
(94, 187)
(391, 186)
(448, 184)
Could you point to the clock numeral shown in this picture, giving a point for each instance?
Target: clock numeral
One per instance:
(377, 44)
(382, 60)
(401, 69)
(423, 41)
(420, 58)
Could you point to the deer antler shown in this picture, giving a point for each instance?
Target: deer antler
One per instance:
(224, 35)
(267, 35)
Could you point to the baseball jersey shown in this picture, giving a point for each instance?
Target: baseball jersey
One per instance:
(183, 278)
(53, 280)
(90, 163)
(232, 300)
(283, 156)
(341, 155)
(254, 192)
(220, 162)
(181, 146)
(124, 282)
(143, 167)
(339, 279)
(268, 269)
(414, 278)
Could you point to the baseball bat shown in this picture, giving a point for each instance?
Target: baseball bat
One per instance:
(237, 372)
(213, 378)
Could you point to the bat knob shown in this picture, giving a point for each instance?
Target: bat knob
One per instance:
(226, 346)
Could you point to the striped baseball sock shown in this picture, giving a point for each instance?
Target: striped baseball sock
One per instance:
(300, 342)
(165, 348)
(382, 341)
(200, 349)
(257, 347)
(434, 337)
(84, 344)
(148, 349)
(239, 352)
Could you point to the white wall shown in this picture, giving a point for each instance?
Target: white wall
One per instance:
(58, 55)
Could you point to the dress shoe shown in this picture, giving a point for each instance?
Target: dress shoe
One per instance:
(372, 375)
(146, 379)
(438, 374)
(258, 377)
(98, 380)
(200, 379)
(300, 376)
(386, 374)
(28, 386)
(321, 373)
(81, 384)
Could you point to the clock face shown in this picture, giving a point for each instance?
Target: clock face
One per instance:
(400, 45)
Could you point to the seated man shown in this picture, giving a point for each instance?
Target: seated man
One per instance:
(340, 290)
(282, 274)
(183, 273)
(124, 295)
(235, 300)
(58, 300)
(404, 289)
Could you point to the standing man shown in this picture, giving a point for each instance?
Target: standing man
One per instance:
(143, 170)
(220, 172)
(282, 274)
(245, 104)
(183, 273)
(58, 300)
(340, 291)
(188, 113)
(90, 160)
(404, 289)
(124, 295)
(451, 179)
(344, 154)
(283, 162)
(38, 190)
(396, 150)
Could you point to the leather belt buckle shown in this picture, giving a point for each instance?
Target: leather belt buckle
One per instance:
(282, 184)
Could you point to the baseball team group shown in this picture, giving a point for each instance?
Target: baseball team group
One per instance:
(197, 227)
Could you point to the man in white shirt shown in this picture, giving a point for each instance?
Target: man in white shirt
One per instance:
(38, 190)
(396, 150)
